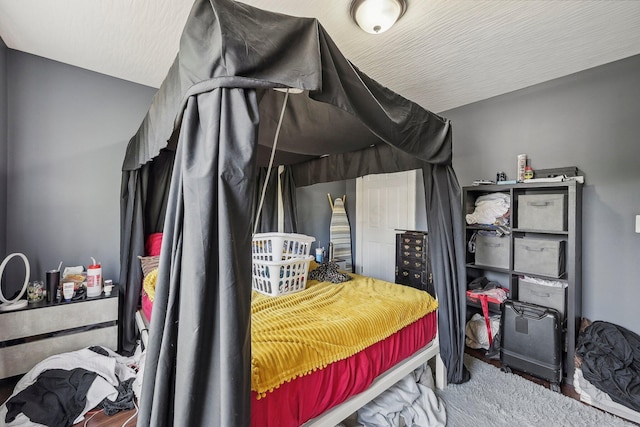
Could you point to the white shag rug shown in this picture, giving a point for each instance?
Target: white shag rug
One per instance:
(493, 398)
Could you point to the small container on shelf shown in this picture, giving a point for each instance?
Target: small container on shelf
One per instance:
(36, 291)
(520, 167)
(108, 287)
(68, 290)
(94, 279)
(528, 172)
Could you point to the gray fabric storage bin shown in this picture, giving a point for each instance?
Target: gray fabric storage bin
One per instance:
(539, 256)
(492, 251)
(547, 296)
(542, 212)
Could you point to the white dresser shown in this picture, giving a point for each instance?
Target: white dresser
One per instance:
(40, 330)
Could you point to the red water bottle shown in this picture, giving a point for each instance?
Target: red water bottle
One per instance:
(94, 279)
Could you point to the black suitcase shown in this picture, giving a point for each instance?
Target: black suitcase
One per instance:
(532, 341)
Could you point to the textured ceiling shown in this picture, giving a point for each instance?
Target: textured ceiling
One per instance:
(441, 54)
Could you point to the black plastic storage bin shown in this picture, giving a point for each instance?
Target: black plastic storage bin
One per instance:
(532, 341)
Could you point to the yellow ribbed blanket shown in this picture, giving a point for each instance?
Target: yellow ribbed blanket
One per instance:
(296, 334)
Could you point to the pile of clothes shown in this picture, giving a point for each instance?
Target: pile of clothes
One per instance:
(61, 389)
(483, 331)
(410, 402)
(609, 356)
(491, 209)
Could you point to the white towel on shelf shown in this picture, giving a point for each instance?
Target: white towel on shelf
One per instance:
(488, 208)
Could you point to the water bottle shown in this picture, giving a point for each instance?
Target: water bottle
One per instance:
(94, 279)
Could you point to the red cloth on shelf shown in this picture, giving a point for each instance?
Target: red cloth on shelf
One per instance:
(484, 303)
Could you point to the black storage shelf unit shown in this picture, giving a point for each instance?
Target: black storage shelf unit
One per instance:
(571, 235)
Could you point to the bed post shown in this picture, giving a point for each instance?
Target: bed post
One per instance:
(441, 370)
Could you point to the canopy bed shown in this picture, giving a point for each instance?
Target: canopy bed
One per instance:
(321, 353)
(191, 171)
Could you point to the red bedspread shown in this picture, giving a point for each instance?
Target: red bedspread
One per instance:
(304, 398)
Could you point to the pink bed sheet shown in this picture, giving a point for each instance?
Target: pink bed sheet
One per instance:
(147, 305)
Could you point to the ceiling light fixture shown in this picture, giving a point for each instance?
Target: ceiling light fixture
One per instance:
(377, 16)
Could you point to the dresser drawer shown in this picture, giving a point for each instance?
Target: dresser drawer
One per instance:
(411, 239)
(411, 263)
(19, 359)
(411, 247)
(410, 274)
(411, 255)
(59, 317)
(412, 278)
(30, 335)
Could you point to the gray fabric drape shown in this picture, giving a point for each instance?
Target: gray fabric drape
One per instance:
(446, 241)
(447, 255)
(268, 219)
(143, 204)
(131, 246)
(231, 56)
(197, 370)
(381, 158)
(289, 201)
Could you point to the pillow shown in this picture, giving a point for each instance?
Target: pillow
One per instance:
(153, 244)
(148, 264)
(328, 272)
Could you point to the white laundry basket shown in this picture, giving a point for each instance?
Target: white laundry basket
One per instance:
(276, 278)
(280, 246)
(280, 262)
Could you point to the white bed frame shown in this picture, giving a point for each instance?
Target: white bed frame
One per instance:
(385, 380)
(143, 328)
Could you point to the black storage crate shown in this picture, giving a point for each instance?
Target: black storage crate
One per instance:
(532, 341)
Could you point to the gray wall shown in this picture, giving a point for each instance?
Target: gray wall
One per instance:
(3, 148)
(590, 120)
(68, 130)
(314, 212)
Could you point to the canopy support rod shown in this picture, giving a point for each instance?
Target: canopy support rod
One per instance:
(273, 152)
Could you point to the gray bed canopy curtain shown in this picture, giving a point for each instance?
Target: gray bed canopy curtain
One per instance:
(191, 172)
